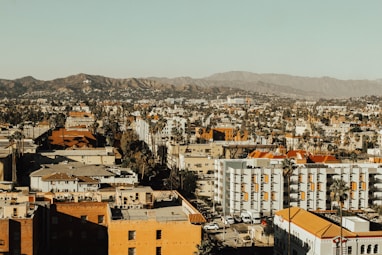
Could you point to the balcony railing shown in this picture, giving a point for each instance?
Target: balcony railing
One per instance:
(375, 180)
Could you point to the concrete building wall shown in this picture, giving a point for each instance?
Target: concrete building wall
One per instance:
(4, 236)
(176, 237)
(94, 160)
(200, 164)
(19, 236)
(79, 228)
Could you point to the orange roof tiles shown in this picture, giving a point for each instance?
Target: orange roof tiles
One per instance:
(58, 177)
(71, 138)
(196, 218)
(297, 154)
(313, 224)
(81, 114)
(265, 154)
(323, 159)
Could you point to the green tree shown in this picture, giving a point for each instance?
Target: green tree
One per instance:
(339, 193)
(288, 167)
(188, 182)
(208, 247)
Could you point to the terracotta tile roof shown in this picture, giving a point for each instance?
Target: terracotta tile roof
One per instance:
(257, 154)
(71, 138)
(58, 177)
(85, 179)
(323, 159)
(196, 218)
(297, 154)
(265, 154)
(314, 224)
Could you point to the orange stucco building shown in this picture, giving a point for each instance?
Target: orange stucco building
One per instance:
(172, 227)
(20, 235)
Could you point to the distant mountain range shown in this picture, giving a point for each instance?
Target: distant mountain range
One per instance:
(286, 85)
(278, 84)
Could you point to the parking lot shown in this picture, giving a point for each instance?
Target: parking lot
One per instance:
(233, 233)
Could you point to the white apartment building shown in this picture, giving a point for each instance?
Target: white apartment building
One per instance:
(246, 184)
(142, 128)
(311, 234)
(254, 184)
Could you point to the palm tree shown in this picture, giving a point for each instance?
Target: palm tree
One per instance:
(339, 193)
(288, 166)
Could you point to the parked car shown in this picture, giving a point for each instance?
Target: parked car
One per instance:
(228, 219)
(211, 226)
(246, 217)
(237, 218)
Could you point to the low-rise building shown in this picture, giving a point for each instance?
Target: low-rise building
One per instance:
(88, 156)
(171, 227)
(77, 177)
(311, 234)
(19, 224)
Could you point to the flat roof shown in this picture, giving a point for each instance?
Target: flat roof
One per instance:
(78, 152)
(163, 214)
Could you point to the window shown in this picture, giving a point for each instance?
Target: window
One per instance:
(159, 234)
(100, 218)
(350, 249)
(158, 251)
(131, 251)
(369, 249)
(362, 249)
(302, 195)
(300, 178)
(84, 218)
(14, 212)
(132, 234)
(376, 249)
(265, 196)
(273, 196)
(353, 185)
(2, 242)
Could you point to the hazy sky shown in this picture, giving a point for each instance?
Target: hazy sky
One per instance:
(168, 38)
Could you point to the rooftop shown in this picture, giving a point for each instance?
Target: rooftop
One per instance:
(76, 168)
(172, 213)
